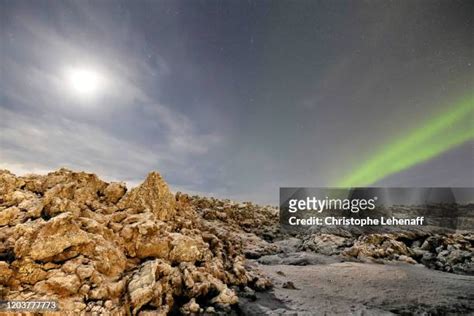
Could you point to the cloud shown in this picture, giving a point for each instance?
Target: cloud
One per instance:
(122, 134)
(187, 94)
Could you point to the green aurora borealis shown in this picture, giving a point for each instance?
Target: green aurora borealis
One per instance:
(433, 137)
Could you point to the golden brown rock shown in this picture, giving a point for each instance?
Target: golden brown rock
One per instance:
(114, 192)
(8, 215)
(5, 273)
(152, 195)
(72, 237)
(51, 238)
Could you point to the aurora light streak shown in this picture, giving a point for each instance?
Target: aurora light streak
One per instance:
(434, 137)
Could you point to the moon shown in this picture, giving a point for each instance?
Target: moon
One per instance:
(85, 81)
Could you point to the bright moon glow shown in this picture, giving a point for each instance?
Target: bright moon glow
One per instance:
(84, 81)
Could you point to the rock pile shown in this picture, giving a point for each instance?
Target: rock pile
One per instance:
(447, 252)
(257, 225)
(96, 248)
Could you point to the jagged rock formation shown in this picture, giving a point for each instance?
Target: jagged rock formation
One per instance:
(96, 248)
(258, 225)
(452, 252)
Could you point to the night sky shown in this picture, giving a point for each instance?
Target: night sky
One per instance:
(233, 98)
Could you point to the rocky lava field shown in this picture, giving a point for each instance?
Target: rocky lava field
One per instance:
(98, 248)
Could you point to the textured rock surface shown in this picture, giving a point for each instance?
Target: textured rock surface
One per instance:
(97, 248)
(452, 252)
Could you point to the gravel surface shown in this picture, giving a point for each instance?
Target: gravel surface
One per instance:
(351, 288)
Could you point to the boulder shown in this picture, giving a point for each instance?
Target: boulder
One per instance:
(152, 195)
